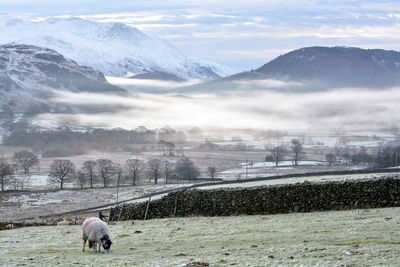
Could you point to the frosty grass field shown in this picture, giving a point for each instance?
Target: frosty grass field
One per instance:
(335, 238)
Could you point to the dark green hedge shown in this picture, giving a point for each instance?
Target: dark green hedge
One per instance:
(304, 197)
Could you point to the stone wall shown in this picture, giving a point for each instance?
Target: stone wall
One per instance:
(300, 197)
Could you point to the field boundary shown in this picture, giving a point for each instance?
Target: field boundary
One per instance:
(379, 192)
(217, 182)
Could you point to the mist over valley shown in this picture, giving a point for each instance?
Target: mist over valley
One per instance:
(279, 117)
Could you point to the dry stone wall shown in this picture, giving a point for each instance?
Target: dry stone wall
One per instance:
(300, 197)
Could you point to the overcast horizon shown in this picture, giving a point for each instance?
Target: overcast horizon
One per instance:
(241, 35)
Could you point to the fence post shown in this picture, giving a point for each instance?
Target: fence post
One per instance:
(175, 206)
(147, 208)
(120, 212)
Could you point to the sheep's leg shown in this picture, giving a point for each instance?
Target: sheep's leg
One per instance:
(85, 238)
(99, 248)
(94, 246)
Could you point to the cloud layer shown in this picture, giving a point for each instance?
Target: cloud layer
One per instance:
(345, 109)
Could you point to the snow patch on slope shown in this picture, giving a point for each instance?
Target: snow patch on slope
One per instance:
(114, 48)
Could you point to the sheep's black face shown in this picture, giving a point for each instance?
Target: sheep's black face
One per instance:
(107, 245)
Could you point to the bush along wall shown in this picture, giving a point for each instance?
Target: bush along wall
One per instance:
(300, 197)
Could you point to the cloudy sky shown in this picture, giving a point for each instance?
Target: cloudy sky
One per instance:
(241, 34)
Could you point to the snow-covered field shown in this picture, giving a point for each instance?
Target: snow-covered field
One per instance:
(256, 166)
(20, 205)
(335, 238)
(38, 181)
(266, 169)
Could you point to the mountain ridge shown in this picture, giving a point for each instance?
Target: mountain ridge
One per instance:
(114, 48)
(317, 68)
(29, 76)
(343, 66)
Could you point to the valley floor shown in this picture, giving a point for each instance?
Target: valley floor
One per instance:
(335, 238)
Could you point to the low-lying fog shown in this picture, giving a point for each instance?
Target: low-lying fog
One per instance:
(347, 109)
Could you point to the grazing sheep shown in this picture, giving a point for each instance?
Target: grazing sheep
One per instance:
(10, 226)
(63, 223)
(96, 231)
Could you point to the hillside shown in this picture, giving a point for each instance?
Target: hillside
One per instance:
(317, 69)
(339, 66)
(30, 74)
(114, 48)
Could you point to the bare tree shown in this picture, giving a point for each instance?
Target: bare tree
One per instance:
(14, 182)
(331, 158)
(186, 170)
(118, 172)
(23, 180)
(105, 168)
(297, 150)
(168, 170)
(154, 169)
(26, 160)
(20, 181)
(212, 170)
(81, 179)
(347, 158)
(167, 148)
(134, 167)
(88, 169)
(61, 171)
(5, 171)
(278, 154)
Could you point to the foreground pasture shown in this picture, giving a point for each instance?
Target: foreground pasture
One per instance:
(336, 238)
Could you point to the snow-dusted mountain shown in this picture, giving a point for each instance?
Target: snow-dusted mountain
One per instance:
(338, 66)
(114, 48)
(316, 69)
(30, 74)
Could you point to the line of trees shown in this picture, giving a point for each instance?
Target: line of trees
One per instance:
(107, 137)
(66, 142)
(279, 153)
(15, 171)
(385, 157)
(107, 172)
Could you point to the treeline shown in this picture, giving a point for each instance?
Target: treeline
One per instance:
(388, 156)
(15, 171)
(62, 143)
(113, 137)
(106, 172)
(385, 157)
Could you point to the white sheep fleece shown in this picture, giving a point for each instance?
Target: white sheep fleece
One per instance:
(94, 229)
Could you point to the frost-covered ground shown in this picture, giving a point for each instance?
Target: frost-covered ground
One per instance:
(266, 169)
(335, 238)
(262, 167)
(314, 139)
(317, 179)
(21, 205)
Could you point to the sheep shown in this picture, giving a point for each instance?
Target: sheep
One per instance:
(63, 223)
(10, 226)
(96, 231)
